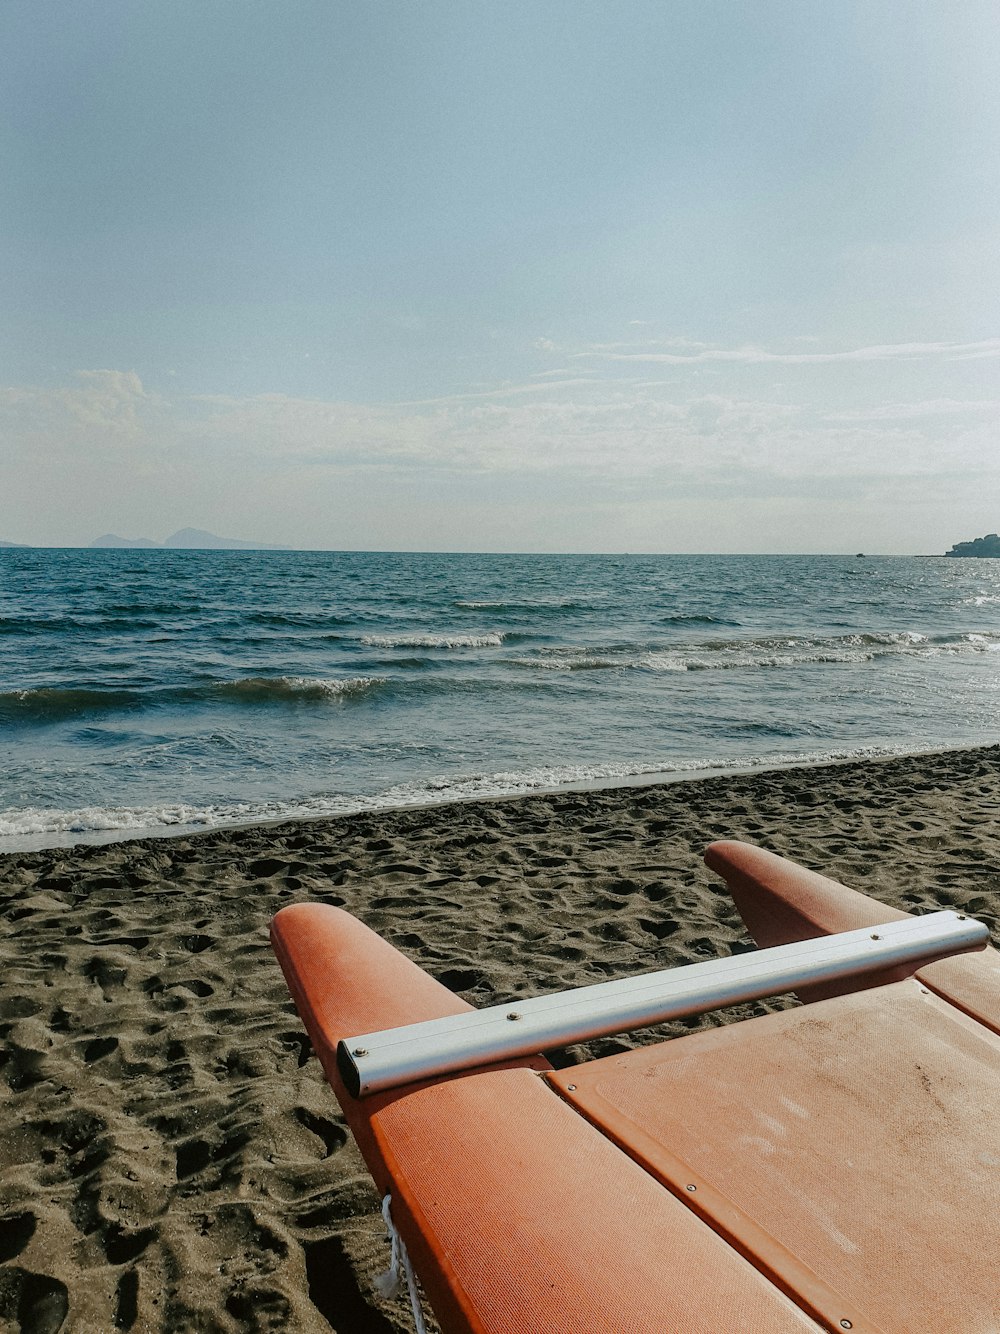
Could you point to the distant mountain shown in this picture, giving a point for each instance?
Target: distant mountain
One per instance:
(186, 539)
(22, 545)
(197, 537)
(113, 540)
(979, 546)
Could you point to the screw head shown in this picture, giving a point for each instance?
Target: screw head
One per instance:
(846, 1324)
(876, 936)
(360, 1051)
(690, 1187)
(513, 1015)
(571, 1088)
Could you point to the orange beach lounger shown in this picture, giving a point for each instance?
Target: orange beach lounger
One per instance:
(835, 1166)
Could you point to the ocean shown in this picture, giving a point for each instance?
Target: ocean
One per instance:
(155, 691)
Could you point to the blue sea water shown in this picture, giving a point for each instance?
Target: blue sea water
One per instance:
(154, 690)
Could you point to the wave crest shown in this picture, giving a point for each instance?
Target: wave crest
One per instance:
(30, 827)
(50, 703)
(553, 604)
(736, 654)
(294, 689)
(489, 639)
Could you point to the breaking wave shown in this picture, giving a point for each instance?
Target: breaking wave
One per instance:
(736, 654)
(51, 703)
(554, 604)
(491, 639)
(34, 826)
(293, 689)
(46, 704)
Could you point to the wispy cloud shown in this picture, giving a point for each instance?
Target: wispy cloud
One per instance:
(106, 411)
(561, 371)
(604, 428)
(989, 347)
(932, 407)
(677, 342)
(537, 384)
(609, 431)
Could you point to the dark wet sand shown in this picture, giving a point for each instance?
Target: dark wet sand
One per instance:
(170, 1158)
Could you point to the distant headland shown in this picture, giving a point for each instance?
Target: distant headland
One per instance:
(185, 539)
(980, 546)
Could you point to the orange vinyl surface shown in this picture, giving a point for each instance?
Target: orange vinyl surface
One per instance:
(519, 1216)
(852, 1146)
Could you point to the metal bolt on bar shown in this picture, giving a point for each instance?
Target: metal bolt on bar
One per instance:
(372, 1062)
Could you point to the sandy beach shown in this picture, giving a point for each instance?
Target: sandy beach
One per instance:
(171, 1158)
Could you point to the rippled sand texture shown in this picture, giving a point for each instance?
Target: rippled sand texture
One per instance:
(170, 1156)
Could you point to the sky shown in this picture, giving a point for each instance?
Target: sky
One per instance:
(540, 275)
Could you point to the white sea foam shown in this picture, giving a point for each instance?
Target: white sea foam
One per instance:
(732, 655)
(32, 828)
(584, 662)
(489, 639)
(984, 643)
(528, 604)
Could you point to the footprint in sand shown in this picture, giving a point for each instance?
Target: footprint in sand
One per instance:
(333, 1137)
(16, 1230)
(32, 1303)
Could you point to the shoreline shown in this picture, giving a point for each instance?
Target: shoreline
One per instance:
(24, 843)
(174, 1158)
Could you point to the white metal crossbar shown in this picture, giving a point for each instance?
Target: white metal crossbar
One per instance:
(373, 1062)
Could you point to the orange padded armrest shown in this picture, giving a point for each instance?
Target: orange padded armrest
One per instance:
(780, 901)
(518, 1214)
(345, 979)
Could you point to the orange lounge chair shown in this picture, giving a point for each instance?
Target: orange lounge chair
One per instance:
(834, 1166)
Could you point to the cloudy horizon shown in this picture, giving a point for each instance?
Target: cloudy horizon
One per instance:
(547, 278)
